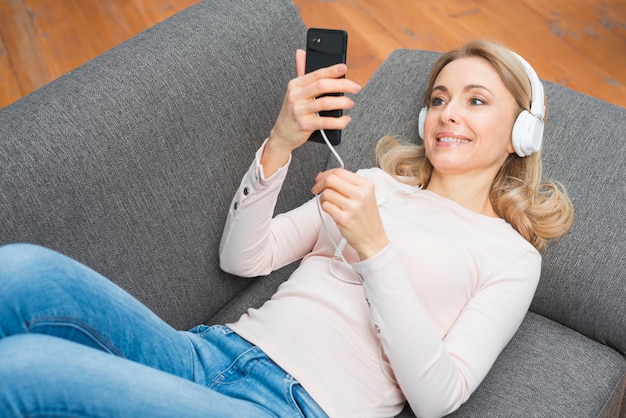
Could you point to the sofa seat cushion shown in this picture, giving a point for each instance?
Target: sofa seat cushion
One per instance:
(549, 370)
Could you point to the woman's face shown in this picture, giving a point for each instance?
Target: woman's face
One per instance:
(470, 118)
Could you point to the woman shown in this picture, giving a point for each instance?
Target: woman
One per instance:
(413, 277)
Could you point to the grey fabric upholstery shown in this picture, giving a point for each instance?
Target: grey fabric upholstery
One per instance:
(548, 370)
(583, 280)
(129, 163)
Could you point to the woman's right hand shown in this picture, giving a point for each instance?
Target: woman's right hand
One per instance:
(298, 117)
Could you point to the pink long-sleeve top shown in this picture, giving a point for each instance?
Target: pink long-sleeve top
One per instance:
(434, 309)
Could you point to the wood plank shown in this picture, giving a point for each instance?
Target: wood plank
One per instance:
(577, 43)
(59, 43)
(598, 28)
(9, 87)
(180, 5)
(95, 24)
(22, 46)
(558, 58)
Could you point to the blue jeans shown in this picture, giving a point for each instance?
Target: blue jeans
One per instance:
(72, 343)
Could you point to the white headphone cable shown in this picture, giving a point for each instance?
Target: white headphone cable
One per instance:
(332, 149)
(339, 247)
(342, 245)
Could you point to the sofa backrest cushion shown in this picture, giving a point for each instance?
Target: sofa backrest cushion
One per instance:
(129, 163)
(583, 283)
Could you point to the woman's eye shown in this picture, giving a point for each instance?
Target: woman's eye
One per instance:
(436, 101)
(477, 102)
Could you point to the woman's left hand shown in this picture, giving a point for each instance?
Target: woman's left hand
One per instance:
(350, 200)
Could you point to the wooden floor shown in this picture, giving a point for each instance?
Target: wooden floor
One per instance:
(577, 43)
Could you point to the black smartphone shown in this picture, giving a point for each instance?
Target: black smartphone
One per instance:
(326, 47)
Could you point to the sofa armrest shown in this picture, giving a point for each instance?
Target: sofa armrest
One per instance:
(129, 163)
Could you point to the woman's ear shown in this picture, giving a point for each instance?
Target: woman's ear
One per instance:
(510, 149)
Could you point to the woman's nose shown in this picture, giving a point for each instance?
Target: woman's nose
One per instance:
(450, 113)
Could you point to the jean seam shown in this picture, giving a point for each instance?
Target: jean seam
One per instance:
(78, 325)
(193, 354)
(251, 364)
(54, 413)
(290, 383)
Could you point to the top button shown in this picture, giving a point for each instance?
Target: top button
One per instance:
(246, 191)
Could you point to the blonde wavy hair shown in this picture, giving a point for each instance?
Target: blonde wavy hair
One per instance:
(538, 209)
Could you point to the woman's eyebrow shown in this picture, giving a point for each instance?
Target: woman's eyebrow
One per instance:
(467, 88)
(476, 86)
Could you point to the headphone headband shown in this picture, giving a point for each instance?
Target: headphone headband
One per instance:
(537, 106)
(527, 134)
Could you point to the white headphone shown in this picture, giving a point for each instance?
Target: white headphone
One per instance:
(528, 128)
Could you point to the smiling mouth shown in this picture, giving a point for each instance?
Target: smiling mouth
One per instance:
(451, 140)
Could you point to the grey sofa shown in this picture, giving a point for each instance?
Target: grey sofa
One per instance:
(129, 163)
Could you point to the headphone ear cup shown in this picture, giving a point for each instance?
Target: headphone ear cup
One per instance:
(527, 134)
(421, 121)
